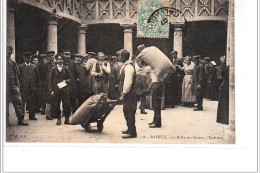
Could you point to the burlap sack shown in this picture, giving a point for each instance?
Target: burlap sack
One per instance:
(157, 60)
(84, 111)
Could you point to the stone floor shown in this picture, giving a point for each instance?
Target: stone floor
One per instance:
(180, 125)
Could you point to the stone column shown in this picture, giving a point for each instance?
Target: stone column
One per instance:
(230, 55)
(128, 37)
(52, 38)
(10, 26)
(177, 40)
(82, 39)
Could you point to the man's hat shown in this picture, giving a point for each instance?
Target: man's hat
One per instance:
(78, 55)
(66, 51)
(92, 53)
(187, 58)
(26, 54)
(34, 56)
(206, 58)
(50, 52)
(174, 52)
(42, 55)
(195, 57)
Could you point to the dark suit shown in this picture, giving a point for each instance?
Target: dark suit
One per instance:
(177, 82)
(207, 74)
(82, 91)
(41, 94)
(13, 89)
(72, 86)
(29, 79)
(60, 94)
(199, 78)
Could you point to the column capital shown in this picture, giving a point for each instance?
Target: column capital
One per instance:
(177, 25)
(128, 27)
(82, 29)
(11, 5)
(53, 19)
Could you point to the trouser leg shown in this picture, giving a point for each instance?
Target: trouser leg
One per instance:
(73, 102)
(49, 112)
(56, 105)
(199, 102)
(105, 87)
(7, 109)
(143, 101)
(43, 105)
(50, 106)
(17, 102)
(31, 102)
(169, 102)
(129, 109)
(156, 99)
(65, 105)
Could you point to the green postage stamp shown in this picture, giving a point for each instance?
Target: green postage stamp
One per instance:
(158, 27)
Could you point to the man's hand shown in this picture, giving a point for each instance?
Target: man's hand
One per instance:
(122, 97)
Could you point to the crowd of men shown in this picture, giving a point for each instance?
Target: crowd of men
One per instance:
(43, 81)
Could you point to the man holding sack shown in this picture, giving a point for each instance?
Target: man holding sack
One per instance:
(158, 66)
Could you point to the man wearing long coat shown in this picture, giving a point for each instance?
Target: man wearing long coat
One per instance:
(198, 82)
(13, 89)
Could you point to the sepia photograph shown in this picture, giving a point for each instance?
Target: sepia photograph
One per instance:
(120, 72)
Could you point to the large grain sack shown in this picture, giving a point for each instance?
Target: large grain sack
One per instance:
(159, 62)
(85, 110)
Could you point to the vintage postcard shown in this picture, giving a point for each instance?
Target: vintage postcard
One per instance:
(120, 71)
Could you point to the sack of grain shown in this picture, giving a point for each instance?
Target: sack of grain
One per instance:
(85, 110)
(159, 62)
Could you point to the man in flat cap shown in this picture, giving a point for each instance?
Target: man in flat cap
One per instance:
(198, 82)
(90, 79)
(101, 71)
(42, 91)
(81, 84)
(13, 89)
(29, 80)
(71, 65)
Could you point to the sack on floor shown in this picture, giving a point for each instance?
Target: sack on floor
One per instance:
(157, 60)
(84, 110)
